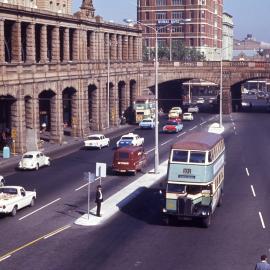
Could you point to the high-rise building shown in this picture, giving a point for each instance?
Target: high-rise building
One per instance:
(59, 6)
(196, 23)
(227, 44)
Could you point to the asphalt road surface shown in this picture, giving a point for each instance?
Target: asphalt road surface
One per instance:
(136, 237)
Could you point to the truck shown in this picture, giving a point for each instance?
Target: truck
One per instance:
(14, 198)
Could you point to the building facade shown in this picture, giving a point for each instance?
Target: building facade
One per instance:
(72, 73)
(227, 44)
(196, 23)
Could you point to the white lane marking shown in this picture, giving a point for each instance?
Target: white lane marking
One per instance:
(39, 209)
(4, 258)
(193, 128)
(149, 151)
(166, 142)
(261, 218)
(181, 134)
(56, 232)
(247, 171)
(84, 185)
(203, 123)
(253, 191)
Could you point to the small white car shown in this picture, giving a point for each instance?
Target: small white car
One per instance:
(97, 141)
(130, 139)
(147, 123)
(13, 198)
(33, 160)
(193, 109)
(188, 116)
(2, 181)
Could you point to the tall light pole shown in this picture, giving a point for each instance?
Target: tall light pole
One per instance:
(108, 83)
(221, 90)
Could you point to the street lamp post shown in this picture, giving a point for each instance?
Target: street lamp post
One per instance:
(221, 92)
(108, 86)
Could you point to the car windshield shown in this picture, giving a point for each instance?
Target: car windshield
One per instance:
(147, 121)
(186, 114)
(8, 190)
(126, 138)
(176, 188)
(92, 138)
(28, 156)
(175, 109)
(171, 123)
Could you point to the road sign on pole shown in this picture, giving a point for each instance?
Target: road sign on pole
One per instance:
(101, 169)
(90, 177)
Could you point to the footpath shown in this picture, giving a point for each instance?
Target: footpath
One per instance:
(54, 151)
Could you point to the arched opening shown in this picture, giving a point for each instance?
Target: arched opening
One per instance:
(121, 98)
(92, 107)
(7, 114)
(46, 106)
(69, 109)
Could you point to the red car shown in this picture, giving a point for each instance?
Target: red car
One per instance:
(172, 126)
(178, 120)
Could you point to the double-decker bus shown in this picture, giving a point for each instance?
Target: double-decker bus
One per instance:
(195, 177)
(144, 107)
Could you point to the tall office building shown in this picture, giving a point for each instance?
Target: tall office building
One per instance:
(197, 23)
(59, 6)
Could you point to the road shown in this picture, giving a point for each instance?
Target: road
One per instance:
(136, 236)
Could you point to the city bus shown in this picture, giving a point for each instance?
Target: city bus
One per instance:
(195, 177)
(144, 107)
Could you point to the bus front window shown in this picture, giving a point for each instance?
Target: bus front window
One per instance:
(175, 188)
(180, 156)
(197, 157)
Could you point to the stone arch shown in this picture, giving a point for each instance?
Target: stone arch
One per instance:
(122, 97)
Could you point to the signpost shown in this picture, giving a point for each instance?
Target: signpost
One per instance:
(90, 177)
(101, 170)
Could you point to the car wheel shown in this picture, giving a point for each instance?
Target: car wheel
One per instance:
(14, 211)
(49, 163)
(108, 144)
(32, 203)
(206, 222)
(37, 167)
(99, 147)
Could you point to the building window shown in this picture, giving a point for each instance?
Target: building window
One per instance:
(191, 42)
(177, 15)
(177, 2)
(161, 15)
(203, 14)
(162, 43)
(161, 2)
(177, 29)
(203, 28)
(192, 14)
(147, 15)
(162, 30)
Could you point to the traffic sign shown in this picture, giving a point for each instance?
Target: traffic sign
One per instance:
(101, 169)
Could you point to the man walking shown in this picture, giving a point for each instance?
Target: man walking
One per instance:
(99, 200)
(263, 264)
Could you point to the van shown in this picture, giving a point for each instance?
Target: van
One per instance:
(129, 159)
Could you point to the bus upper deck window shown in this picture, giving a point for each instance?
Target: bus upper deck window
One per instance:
(197, 157)
(180, 156)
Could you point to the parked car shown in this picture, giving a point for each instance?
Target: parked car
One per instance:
(188, 116)
(96, 141)
(2, 181)
(33, 160)
(130, 139)
(147, 123)
(193, 109)
(172, 126)
(13, 198)
(129, 159)
(175, 112)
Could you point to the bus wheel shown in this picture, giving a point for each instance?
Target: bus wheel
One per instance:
(168, 220)
(206, 222)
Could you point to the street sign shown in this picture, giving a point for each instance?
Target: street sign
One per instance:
(101, 169)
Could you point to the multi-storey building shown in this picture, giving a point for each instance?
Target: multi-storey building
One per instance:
(73, 73)
(197, 23)
(227, 44)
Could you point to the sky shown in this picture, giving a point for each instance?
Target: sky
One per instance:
(250, 16)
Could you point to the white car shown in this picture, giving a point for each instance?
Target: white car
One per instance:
(13, 198)
(130, 139)
(33, 160)
(193, 109)
(147, 123)
(188, 116)
(97, 141)
(2, 181)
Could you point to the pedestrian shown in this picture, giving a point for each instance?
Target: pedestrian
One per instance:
(99, 200)
(263, 264)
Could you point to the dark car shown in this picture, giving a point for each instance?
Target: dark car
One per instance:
(129, 159)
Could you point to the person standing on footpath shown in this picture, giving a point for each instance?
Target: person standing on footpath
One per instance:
(99, 200)
(263, 264)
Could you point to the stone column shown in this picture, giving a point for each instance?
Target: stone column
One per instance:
(135, 49)
(227, 101)
(66, 45)
(84, 107)
(83, 43)
(106, 46)
(125, 48)
(75, 42)
(30, 43)
(113, 47)
(2, 41)
(130, 48)
(16, 42)
(55, 44)
(119, 48)
(114, 114)
(75, 115)
(57, 131)
(43, 44)
(95, 109)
